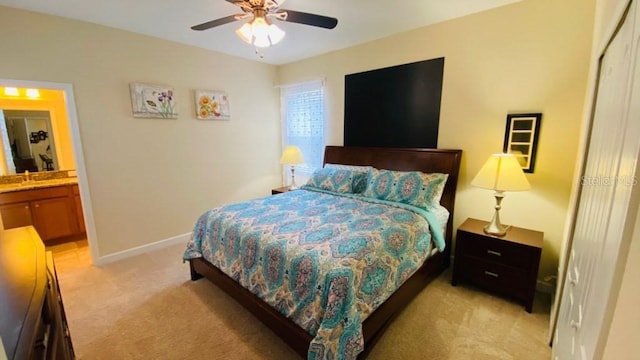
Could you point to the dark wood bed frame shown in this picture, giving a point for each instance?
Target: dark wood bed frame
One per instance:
(425, 160)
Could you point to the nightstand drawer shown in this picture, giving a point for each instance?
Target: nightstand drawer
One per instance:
(496, 250)
(507, 264)
(494, 277)
(279, 190)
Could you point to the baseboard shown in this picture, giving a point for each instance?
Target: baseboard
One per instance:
(545, 287)
(180, 239)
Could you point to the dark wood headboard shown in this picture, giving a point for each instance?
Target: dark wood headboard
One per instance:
(406, 159)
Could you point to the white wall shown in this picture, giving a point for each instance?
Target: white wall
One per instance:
(149, 179)
(532, 56)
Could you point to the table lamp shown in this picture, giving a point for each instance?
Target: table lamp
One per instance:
(502, 172)
(292, 156)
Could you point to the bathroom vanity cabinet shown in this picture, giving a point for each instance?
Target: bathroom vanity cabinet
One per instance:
(55, 211)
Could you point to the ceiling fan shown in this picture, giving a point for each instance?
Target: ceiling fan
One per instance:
(260, 32)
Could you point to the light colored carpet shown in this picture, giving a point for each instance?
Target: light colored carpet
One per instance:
(144, 308)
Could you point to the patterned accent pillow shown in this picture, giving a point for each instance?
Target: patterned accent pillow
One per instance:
(336, 180)
(412, 187)
(361, 175)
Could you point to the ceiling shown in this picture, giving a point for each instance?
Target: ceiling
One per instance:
(359, 21)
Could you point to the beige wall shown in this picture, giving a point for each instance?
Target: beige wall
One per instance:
(149, 179)
(531, 56)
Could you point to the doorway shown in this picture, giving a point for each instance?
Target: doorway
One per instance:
(76, 157)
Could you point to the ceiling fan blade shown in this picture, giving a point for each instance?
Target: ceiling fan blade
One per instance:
(214, 23)
(308, 19)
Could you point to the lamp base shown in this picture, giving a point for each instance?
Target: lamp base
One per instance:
(494, 227)
(293, 185)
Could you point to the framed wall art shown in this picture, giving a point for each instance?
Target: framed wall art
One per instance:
(521, 138)
(153, 101)
(212, 105)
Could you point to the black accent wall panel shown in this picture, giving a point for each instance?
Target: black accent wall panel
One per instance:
(398, 106)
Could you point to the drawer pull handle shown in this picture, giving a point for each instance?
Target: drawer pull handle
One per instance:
(572, 281)
(491, 274)
(494, 253)
(576, 324)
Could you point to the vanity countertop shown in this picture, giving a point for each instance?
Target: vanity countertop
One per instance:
(36, 184)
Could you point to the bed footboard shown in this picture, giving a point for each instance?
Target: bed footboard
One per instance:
(296, 337)
(194, 274)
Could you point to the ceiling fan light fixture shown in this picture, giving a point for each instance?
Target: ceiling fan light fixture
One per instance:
(260, 33)
(245, 33)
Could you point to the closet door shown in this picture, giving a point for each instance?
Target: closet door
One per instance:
(605, 214)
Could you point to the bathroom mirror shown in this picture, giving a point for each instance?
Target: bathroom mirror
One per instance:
(41, 120)
(28, 141)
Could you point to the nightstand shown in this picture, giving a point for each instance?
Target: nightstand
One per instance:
(279, 190)
(507, 264)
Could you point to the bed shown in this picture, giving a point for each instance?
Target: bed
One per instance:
(322, 315)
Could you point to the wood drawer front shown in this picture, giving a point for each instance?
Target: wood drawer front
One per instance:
(34, 194)
(498, 251)
(55, 218)
(16, 215)
(495, 277)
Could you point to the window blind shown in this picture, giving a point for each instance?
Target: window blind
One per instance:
(303, 122)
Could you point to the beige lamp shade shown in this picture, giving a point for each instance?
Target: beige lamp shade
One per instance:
(292, 155)
(502, 172)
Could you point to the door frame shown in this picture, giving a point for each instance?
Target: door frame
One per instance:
(76, 143)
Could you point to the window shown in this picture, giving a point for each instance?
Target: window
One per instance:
(303, 122)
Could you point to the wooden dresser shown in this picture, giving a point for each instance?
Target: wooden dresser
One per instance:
(506, 264)
(32, 318)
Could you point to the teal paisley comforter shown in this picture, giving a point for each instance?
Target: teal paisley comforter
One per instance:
(324, 260)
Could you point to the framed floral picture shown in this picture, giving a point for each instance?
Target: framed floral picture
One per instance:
(212, 105)
(153, 101)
